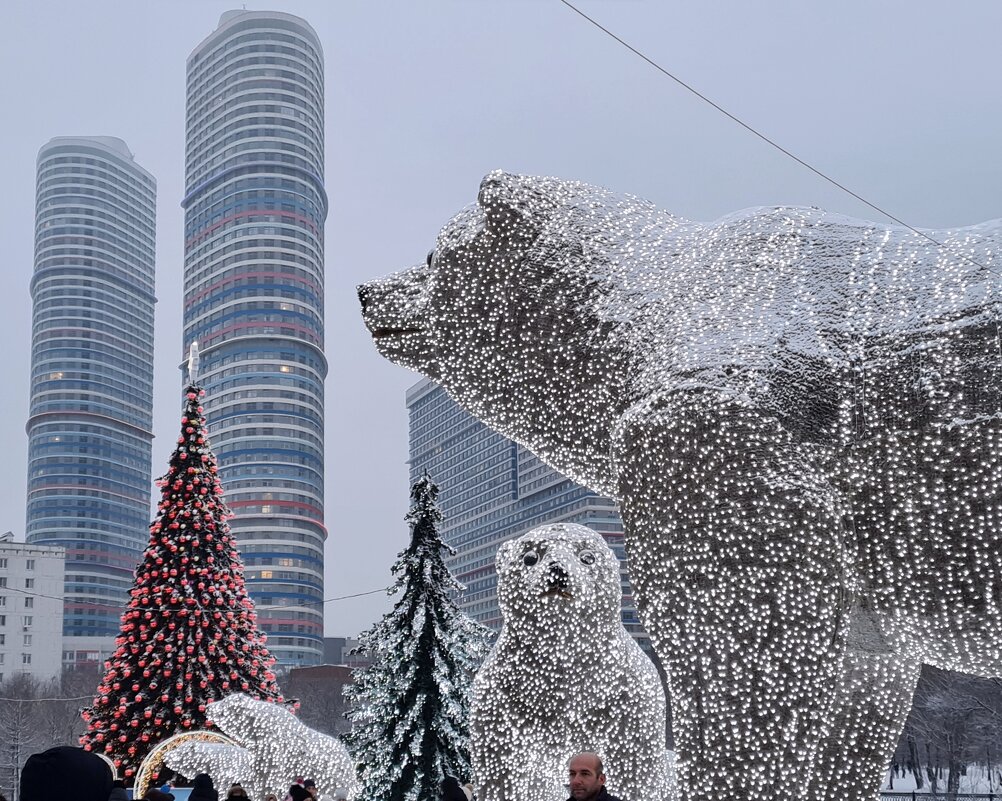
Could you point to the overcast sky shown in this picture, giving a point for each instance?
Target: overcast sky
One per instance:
(900, 101)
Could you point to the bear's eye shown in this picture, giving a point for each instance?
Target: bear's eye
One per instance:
(529, 558)
(431, 255)
(587, 558)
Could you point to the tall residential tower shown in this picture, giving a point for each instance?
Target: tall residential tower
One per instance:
(91, 406)
(255, 207)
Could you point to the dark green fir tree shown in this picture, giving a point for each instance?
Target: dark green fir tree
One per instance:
(410, 708)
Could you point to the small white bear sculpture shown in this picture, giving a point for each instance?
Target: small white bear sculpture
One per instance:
(565, 676)
(275, 748)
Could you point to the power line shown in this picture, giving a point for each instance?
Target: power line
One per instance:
(767, 140)
(256, 608)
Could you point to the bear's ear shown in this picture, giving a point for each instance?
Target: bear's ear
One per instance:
(513, 203)
(504, 552)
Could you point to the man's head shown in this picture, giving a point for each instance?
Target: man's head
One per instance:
(586, 776)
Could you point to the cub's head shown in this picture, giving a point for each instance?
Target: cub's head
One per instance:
(557, 576)
(514, 314)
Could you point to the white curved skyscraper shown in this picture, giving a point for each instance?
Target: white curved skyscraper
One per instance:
(91, 406)
(255, 207)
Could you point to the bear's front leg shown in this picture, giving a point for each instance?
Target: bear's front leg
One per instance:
(734, 538)
(872, 704)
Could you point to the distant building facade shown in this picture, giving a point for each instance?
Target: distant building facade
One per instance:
(31, 609)
(90, 424)
(490, 490)
(255, 207)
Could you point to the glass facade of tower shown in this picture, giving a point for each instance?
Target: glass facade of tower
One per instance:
(91, 405)
(255, 207)
(492, 489)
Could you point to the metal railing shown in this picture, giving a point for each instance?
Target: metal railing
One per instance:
(940, 795)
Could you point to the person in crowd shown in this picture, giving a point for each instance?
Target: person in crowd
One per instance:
(468, 789)
(65, 772)
(118, 792)
(299, 793)
(586, 776)
(202, 789)
(311, 788)
(451, 791)
(271, 797)
(236, 793)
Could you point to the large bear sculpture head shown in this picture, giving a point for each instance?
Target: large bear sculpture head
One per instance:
(517, 310)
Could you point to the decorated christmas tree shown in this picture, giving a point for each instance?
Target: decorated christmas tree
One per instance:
(410, 707)
(188, 635)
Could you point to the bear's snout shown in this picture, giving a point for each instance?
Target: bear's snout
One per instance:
(557, 577)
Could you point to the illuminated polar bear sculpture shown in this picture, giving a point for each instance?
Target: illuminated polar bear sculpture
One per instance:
(275, 748)
(565, 676)
(799, 414)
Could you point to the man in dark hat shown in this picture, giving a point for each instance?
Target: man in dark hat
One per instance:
(65, 772)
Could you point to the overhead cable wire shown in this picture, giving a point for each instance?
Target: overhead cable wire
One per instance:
(768, 140)
(256, 607)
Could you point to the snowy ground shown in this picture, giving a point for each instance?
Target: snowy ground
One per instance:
(975, 781)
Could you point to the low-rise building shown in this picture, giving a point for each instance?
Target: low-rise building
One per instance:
(31, 609)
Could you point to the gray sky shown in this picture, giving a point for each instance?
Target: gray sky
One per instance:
(899, 100)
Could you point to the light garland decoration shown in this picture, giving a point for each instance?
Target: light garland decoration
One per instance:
(799, 415)
(272, 747)
(154, 761)
(565, 676)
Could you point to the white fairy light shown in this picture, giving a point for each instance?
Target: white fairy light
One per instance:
(565, 676)
(799, 415)
(274, 747)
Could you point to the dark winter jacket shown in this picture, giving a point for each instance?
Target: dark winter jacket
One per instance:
(118, 792)
(65, 772)
(299, 793)
(202, 789)
(451, 791)
(603, 795)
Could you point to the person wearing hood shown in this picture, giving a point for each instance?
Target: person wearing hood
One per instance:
(299, 793)
(451, 791)
(64, 772)
(202, 789)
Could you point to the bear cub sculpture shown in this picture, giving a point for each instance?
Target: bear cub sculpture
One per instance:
(799, 415)
(565, 676)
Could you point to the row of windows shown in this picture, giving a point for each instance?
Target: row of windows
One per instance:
(89, 217)
(256, 42)
(46, 340)
(223, 127)
(255, 146)
(244, 203)
(57, 192)
(91, 402)
(288, 105)
(65, 226)
(94, 166)
(237, 63)
(76, 175)
(266, 272)
(256, 154)
(287, 133)
(214, 249)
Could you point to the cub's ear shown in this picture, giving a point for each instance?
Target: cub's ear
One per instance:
(505, 551)
(514, 204)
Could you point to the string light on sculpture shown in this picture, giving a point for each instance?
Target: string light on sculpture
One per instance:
(799, 414)
(273, 747)
(565, 676)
